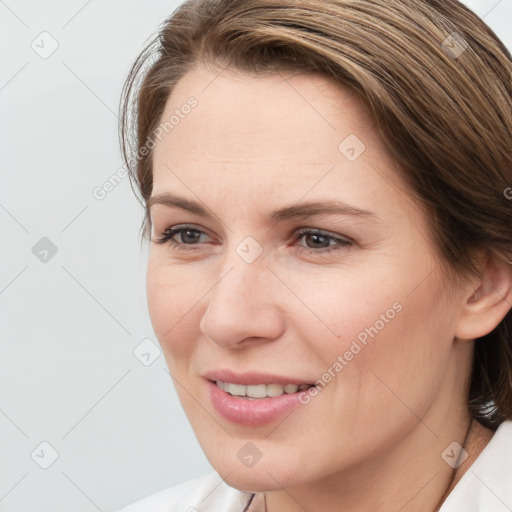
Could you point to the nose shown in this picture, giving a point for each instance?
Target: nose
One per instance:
(244, 306)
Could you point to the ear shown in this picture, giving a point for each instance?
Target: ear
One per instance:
(487, 300)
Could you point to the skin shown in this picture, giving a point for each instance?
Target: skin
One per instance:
(373, 438)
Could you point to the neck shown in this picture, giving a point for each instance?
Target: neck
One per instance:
(477, 439)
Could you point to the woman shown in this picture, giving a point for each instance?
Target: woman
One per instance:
(330, 266)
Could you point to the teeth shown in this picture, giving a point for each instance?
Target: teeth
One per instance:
(259, 390)
(275, 390)
(237, 389)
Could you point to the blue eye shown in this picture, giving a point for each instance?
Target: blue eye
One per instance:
(318, 241)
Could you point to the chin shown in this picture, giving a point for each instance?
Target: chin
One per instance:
(250, 480)
(263, 476)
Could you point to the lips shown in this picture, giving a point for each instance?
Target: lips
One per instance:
(230, 398)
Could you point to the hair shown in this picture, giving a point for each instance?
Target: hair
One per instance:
(436, 80)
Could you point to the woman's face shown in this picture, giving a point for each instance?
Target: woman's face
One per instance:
(305, 261)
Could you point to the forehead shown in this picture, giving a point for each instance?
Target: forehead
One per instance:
(264, 117)
(271, 137)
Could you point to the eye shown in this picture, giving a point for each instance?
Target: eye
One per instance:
(320, 242)
(317, 241)
(188, 235)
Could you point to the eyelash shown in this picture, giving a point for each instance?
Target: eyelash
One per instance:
(167, 235)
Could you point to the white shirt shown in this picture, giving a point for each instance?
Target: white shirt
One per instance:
(486, 486)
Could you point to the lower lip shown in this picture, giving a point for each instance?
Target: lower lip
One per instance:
(254, 413)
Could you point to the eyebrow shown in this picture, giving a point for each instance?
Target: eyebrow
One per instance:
(295, 211)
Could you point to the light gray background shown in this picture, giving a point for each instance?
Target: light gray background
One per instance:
(69, 325)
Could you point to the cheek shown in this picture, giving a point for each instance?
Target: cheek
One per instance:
(171, 301)
(372, 338)
(334, 309)
(408, 365)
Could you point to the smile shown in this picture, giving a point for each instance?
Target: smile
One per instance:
(256, 391)
(254, 405)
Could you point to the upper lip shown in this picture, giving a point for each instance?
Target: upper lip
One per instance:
(252, 378)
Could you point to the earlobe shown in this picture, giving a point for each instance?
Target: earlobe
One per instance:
(487, 302)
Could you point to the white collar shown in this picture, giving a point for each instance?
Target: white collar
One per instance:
(486, 486)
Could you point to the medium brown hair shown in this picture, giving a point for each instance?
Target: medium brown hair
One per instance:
(435, 78)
